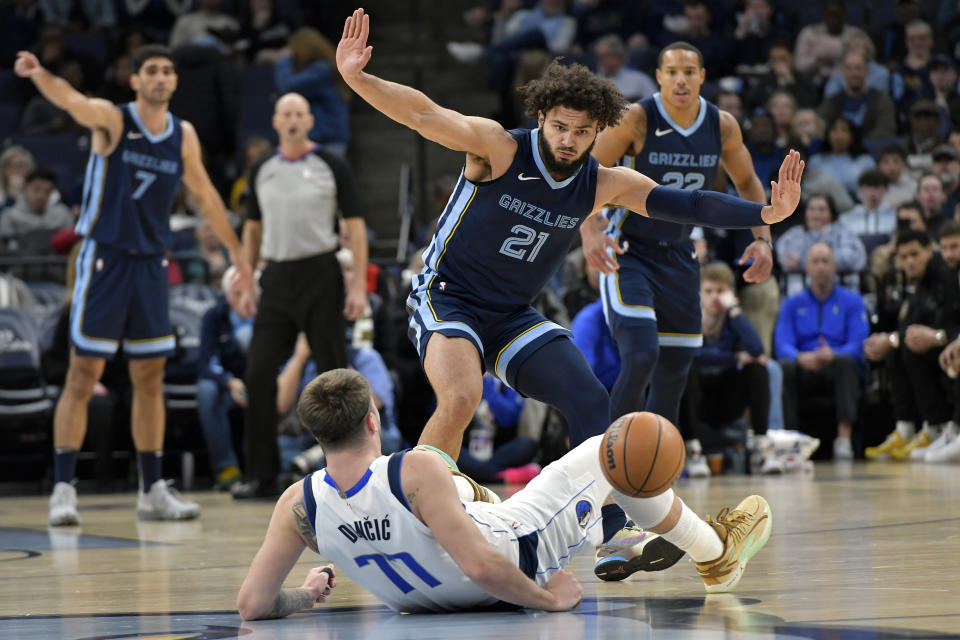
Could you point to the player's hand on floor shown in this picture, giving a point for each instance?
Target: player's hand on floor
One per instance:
(785, 192)
(566, 589)
(319, 582)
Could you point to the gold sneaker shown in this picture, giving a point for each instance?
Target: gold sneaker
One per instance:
(743, 531)
(884, 450)
(919, 441)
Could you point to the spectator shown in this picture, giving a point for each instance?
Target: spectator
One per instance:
(33, 209)
(911, 79)
(807, 128)
(945, 448)
(202, 26)
(116, 87)
(98, 14)
(594, 19)
(877, 75)
(783, 107)
(779, 73)
(820, 225)
(311, 71)
(42, 117)
(263, 33)
(224, 341)
(910, 350)
(871, 110)
(892, 39)
(933, 202)
(583, 283)
(819, 343)
(883, 258)
(729, 374)
(820, 46)
(209, 260)
(924, 135)
(954, 139)
(611, 58)
(730, 102)
(818, 181)
(15, 164)
(902, 187)
(713, 46)
(943, 78)
(946, 166)
(759, 25)
(253, 149)
(592, 336)
(763, 148)
(844, 156)
(872, 216)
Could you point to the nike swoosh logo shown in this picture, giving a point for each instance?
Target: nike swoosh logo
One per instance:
(663, 132)
(523, 177)
(134, 136)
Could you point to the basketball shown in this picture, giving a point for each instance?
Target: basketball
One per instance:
(641, 454)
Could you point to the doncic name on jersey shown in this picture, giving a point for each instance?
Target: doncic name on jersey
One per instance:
(369, 529)
(537, 214)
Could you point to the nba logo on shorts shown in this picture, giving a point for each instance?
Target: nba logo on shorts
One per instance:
(583, 512)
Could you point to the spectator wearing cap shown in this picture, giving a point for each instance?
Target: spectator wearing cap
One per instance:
(943, 77)
(946, 166)
(870, 109)
(872, 216)
(902, 187)
(924, 135)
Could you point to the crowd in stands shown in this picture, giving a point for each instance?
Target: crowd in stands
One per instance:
(862, 316)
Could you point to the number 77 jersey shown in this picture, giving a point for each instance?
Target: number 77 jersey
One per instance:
(128, 195)
(497, 243)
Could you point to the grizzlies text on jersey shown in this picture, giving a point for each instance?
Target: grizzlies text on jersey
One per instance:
(128, 195)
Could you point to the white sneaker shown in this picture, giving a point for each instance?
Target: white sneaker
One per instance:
(772, 466)
(465, 52)
(63, 506)
(164, 503)
(949, 452)
(696, 464)
(842, 449)
(308, 460)
(948, 435)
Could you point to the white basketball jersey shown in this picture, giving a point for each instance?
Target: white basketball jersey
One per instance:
(370, 534)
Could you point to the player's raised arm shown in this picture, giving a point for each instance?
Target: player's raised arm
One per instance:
(261, 595)
(93, 113)
(429, 489)
(478, 136)
(623, 187)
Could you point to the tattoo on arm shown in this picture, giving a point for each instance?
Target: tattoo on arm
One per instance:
(290, 601)
(303, 526)
(411, 496)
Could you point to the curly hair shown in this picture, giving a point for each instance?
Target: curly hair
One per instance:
(574, 87)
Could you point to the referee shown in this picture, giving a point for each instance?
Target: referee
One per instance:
(295, 196)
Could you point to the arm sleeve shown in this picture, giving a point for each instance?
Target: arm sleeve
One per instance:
(857, 328)
(704, 208)
(784, 336)
(746, 335)
(348, 200)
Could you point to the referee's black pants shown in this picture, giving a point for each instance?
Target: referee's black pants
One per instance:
(298, 295)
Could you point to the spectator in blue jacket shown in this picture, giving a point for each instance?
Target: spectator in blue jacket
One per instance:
(592, 336)
(224, 339)
(819, 342)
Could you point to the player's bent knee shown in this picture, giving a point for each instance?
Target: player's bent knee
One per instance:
(459, 402)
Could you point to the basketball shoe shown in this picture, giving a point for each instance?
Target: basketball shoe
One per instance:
(696, 463)
(164, 503)
(743, 531)
(947, 436)
(632, 549)
(63, 506)
(885, 449)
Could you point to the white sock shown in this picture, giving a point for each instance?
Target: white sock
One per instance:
(906, 429)
(933, 430)
(695, 536)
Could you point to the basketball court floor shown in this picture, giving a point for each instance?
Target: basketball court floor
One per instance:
(864, 551)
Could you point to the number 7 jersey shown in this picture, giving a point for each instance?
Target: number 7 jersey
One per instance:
(497, 243)
(128, 195)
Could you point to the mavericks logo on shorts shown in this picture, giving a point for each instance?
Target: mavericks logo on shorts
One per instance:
(583, 512)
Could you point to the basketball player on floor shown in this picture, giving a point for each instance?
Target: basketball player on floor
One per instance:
(651, 294)
(139, 153)
(397, 526)
(507, 228)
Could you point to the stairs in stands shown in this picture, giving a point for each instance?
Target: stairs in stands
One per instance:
(379, 146)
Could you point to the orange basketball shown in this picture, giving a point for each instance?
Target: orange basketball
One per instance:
(641, 454)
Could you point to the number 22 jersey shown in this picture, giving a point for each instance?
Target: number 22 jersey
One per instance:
(497, 243)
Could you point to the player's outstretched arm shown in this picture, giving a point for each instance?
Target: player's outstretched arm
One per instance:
(93, 113)
(429, 489)
(627, 188)
(261, 595)
(478, 136)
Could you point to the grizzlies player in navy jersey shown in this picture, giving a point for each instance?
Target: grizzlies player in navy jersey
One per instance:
(651, 293)
(139, 155)
(507, 228)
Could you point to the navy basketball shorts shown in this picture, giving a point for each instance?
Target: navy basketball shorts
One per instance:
(503, 338)
(119, 298)
(658, 284)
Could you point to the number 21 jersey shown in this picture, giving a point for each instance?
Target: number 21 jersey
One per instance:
(498, 243)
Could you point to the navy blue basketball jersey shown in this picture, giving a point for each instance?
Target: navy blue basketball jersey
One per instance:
(674, 157)
(499, 242)
(128, 195)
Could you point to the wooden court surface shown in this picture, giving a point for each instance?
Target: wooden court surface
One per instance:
(862, 550)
